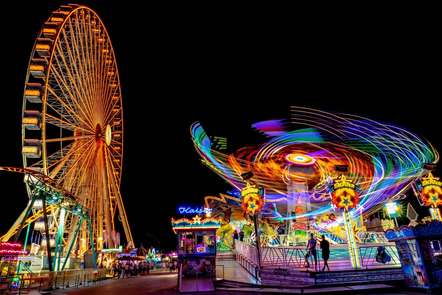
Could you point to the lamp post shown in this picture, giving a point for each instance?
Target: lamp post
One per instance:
(252, 202)
(392, 210)
(345, 195)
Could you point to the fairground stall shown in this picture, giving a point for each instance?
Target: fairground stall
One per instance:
(196, 249)
(420, 251)
(9, 262)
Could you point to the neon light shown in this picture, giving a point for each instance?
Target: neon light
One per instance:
(431, 190)
(252, 200)
(112, 250)
(195, 223)
(201, 249)
(300, 159)
(195, 210)
(352, 249)
(435, 213)
(344, 194)
(383, 158)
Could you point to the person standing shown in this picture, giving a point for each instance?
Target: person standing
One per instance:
(311, 247)
(325, 247)
(241, 235)
(235, 235)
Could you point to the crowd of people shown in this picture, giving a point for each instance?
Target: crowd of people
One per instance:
(125, 270)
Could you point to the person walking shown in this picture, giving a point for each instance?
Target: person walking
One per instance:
(311, 247)
(325, 247)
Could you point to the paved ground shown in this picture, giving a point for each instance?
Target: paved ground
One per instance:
(149, 284)
(165, 284)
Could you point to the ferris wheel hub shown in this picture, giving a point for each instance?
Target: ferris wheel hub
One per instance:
(108, 135)
(98, 131)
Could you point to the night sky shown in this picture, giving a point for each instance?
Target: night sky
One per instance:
(228, 66)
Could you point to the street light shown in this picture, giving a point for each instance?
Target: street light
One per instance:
(392, 210)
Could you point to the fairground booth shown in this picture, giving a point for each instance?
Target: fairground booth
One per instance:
(196, 249)
(420, 252)
(9, 258)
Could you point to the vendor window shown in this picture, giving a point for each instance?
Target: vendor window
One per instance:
(187, 243)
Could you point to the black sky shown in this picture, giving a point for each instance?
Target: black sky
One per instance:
(227, 65)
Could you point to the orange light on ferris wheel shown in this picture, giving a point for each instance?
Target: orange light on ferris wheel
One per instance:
(300, 159)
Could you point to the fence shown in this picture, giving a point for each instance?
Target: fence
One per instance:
(294, 257)
(59, 279)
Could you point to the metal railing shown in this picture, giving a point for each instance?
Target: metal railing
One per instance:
(294, 256)
(58, 279)
(368, 255)
(286, 256)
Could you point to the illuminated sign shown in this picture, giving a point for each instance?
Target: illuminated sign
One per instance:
(195, 223)
(344, 193)
(11, 249)
(201, 249)
(431, 190)
(194, 210)
(252, 200)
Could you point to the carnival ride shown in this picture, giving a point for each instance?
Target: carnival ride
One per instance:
(72, 134)
(299, 163)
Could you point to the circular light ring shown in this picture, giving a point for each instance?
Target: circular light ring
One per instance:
(300, 159)
(108, 135)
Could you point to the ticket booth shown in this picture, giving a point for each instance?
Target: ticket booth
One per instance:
(420, 252)
(196, 249)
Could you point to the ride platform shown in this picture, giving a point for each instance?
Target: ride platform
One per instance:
(340, 275)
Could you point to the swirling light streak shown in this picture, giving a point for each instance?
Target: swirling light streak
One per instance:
(383, 159)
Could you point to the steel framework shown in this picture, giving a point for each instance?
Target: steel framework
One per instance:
(72, 124)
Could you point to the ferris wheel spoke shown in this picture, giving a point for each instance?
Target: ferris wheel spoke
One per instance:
(68, 138)
(65, 124)
(114, 163)
(65, 78)
(77, 168)
(65, 157)
(77, 54)
(59, 105)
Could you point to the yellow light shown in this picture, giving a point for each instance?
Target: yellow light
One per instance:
(30, 150)
(49, 31)
(108, 135)
(36, 68)
(30, 121)
(32, 93)
(42, 47)
(56, 19)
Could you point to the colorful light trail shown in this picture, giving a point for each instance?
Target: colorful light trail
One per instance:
(383, 159)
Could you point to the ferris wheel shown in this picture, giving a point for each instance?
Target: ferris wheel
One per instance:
(72, 124)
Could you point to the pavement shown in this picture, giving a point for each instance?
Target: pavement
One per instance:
(165, 283)
(233, 279)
